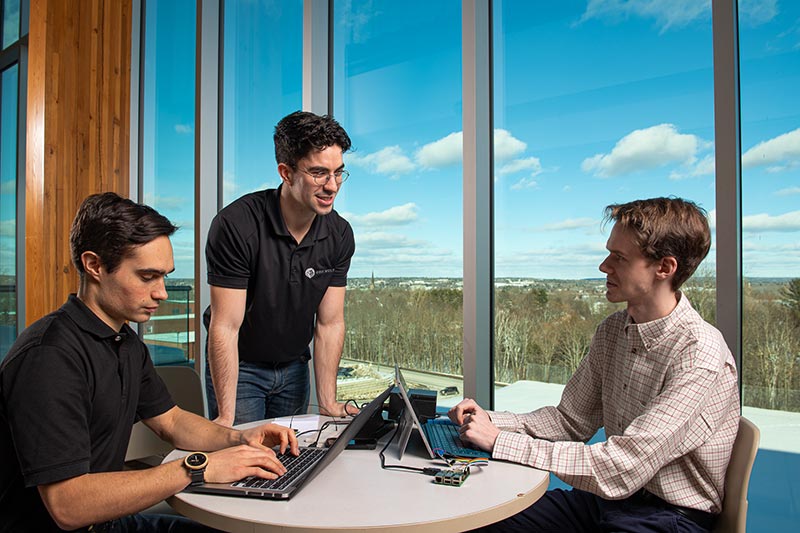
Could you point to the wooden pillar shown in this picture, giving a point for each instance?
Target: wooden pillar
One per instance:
(78, 124)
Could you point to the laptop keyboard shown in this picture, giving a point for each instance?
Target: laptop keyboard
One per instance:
(295, 467)
(443, 435)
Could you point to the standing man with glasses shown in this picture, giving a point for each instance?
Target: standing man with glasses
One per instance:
(277, 267)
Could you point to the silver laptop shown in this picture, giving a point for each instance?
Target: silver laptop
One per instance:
(300, 469)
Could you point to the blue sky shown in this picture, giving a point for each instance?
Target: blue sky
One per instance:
(595, 103)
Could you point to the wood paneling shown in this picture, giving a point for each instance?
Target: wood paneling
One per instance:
(78, 124)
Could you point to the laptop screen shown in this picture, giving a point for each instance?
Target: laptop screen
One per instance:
(408, 421)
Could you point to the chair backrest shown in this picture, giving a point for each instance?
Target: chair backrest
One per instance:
(184, 384)
(733, 518)
(186, 389)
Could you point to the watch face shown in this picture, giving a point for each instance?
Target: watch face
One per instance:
(196, 460)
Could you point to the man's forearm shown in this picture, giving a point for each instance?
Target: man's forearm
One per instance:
(189, 431)
(95, 498)
(223, 356)
(328, 343)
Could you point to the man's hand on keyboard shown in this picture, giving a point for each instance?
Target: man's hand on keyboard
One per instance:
(477, 428)
(271, 435)
(233, 464)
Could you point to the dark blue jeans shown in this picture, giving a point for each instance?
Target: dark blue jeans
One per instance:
(579, 511)
(156, 523)
(266, 391)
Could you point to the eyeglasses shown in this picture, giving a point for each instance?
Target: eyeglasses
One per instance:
(321, 177)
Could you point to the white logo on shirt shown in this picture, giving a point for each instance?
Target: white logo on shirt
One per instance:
(310, 273)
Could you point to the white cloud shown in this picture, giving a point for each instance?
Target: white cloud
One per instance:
(789, 191)
(532, 164)
(8, 228)
(418, 261)
(232, 186)
(382, 252)
(448, 150)
(168, 203)
(517, 165)
(645, 149)
(757, 12)
(394, 216)
(357, 22)
(185, 228)
(705, 167)
(525, 183)
(778, 153)
(764, 222)
(571, 223)
(580, 259)
(390, 160)
(183, 128)
(676, 13)
(376, 240)
(506, 145)
(443, 152)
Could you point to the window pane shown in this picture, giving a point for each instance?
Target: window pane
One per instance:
(8, 209)
(10, 22)
(623, 111)
(770, 141)
(262, 83)
(397, 91)
(168, 159)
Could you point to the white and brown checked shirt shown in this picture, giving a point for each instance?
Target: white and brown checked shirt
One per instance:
(666, 392)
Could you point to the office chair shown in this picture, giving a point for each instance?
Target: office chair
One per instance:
(733, 518)
(186, 389)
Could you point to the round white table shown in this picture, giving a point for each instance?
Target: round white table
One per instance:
(355, 494)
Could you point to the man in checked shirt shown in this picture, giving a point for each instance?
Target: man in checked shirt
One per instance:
(657, 377)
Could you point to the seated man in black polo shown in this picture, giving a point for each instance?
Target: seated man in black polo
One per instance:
(75, 381)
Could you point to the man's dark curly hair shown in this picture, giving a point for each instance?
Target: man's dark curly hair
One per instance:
(296, 135)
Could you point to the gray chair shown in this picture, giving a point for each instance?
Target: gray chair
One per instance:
(186, 388)
(733, 518)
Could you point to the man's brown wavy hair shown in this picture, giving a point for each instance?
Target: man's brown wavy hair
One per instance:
(664, 227)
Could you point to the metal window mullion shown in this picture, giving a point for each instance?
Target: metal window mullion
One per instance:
(727, 140)
(136, 100)
(317, 77)
(317, 56)
(22, 107)
(208, 158)
(478, 198)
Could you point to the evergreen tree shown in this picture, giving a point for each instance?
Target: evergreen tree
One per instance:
(791, 295)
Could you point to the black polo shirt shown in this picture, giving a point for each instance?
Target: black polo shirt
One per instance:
(250, 248)
(71, 389)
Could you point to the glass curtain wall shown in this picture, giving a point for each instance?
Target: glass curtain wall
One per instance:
(167, 163)
(11, 22)
(262, 82)
(594, 103)
(9, 168)
(592, 106)
(769, 49)
(397, 91)
(9, 82)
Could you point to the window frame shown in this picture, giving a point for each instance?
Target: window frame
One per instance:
(478, 291)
